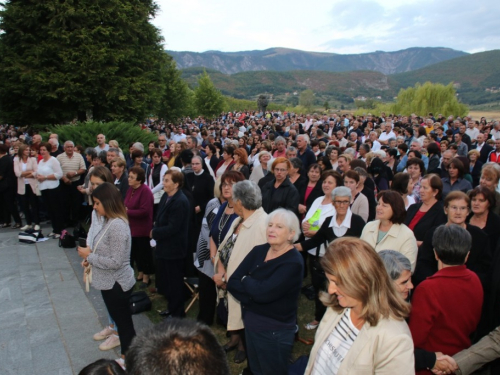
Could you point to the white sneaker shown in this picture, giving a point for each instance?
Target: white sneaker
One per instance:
(111, 342)
(104, 334)
(26, 227)
(37, 227)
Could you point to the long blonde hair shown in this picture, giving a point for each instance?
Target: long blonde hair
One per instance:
(361, 274)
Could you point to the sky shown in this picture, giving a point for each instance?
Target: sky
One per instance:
(336, 26)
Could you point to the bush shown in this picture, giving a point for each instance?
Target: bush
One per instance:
(85, 133)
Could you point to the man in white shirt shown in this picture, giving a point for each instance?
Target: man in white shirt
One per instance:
(375, 143)
(386, 135)
(472, 131)
(179, 135)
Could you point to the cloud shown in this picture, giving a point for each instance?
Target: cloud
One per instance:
(458, 24)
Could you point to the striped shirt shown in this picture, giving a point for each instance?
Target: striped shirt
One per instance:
(73, 164)
(335, 348)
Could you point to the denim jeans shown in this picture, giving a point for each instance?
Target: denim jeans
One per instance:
(269, 351)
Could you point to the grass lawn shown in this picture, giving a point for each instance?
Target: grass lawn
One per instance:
(305, 315)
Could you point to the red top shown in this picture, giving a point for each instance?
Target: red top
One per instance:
(308, 191)
(139, 203)
(446, 308)
(416, 219)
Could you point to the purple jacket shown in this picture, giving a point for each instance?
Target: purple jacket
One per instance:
(139, 203)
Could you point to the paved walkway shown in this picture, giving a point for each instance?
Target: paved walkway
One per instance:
(46, 319)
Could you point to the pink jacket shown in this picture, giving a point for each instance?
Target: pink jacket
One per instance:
(32, 165)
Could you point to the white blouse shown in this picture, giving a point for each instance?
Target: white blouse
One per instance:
(47, 168)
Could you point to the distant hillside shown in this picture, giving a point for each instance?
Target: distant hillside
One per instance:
(338, 86)
(476, 76)
(283, 59)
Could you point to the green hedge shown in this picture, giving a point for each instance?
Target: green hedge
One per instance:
(85, 133)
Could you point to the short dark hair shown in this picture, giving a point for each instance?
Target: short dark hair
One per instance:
(229, 150)
(186, 156)
(488, 194)
(137, 154)
(352, 174)
(418, 162)
(232, 175)
(139, 172)
(212, 148)
(395, 200)
(436, 184)
(336, 176)
(451, 243)
(403, 147)
(177, 177)
(433, 149)
(176, 347)
(103, 367)
(457, 163)
(400, 183)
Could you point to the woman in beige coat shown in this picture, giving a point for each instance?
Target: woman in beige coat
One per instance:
(246, 232)
(364, 329)
(27, 185)
(388, 232)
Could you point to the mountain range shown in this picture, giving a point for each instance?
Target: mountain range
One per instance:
(285, 59)
(476, 78)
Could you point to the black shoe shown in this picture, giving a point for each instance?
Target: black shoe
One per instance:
(228, 348)
(240, 356)
(145, 285)
(165, 313)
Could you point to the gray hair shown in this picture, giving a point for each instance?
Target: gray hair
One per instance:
(296, 163)
(69, 143)
(279, 139)
(400, 137)
(248, 193)
(341, 191)
(362, 172)
(350, 151)
(90, 151)
(395, 263)
(381, 154)
(305, 136)
(138, 146)
(115, 150)
(262, 153)
(374, 132)
(451, 243)
(291, 149)
(288, 218)
(391, 139)
(199, 158)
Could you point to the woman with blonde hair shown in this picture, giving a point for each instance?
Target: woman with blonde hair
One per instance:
(364, 328)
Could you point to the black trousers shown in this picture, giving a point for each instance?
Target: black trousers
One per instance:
(29, 204)
(117, 303)
(208, 299)
(319, 284)
(52, 200)
(142, 255)
(72, 201)
(9, 206)
(170, 283)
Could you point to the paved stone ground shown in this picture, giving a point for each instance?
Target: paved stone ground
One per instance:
(46, 319)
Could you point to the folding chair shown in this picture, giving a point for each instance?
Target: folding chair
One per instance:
(192, 284)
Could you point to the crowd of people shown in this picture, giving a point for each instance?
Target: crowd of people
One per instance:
(394, 219)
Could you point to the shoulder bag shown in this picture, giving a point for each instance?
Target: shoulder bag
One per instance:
(87, 271)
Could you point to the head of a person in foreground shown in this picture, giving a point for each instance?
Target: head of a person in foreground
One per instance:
(357, 279)
(176, 347)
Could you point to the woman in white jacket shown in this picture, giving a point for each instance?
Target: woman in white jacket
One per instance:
(25, 168)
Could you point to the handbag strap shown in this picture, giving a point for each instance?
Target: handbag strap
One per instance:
(100, 238)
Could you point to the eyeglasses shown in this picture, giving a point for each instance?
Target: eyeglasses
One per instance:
(342, 203)
(225, 184)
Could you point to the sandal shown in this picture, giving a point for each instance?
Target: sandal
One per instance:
(311, 326)
(16, 226)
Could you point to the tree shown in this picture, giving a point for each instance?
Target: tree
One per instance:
(65, 59)
(429, 97)
(326, 105)
(306, 99)
(176, 99)
(209, 101)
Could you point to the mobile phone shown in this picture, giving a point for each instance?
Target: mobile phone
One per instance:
(82, 242)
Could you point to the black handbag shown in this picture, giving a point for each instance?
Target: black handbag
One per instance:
(66, 240)
(139, 302)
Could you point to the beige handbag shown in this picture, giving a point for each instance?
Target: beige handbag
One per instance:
(87, 271)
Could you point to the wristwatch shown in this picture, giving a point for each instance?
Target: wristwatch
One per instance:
(223, 279)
